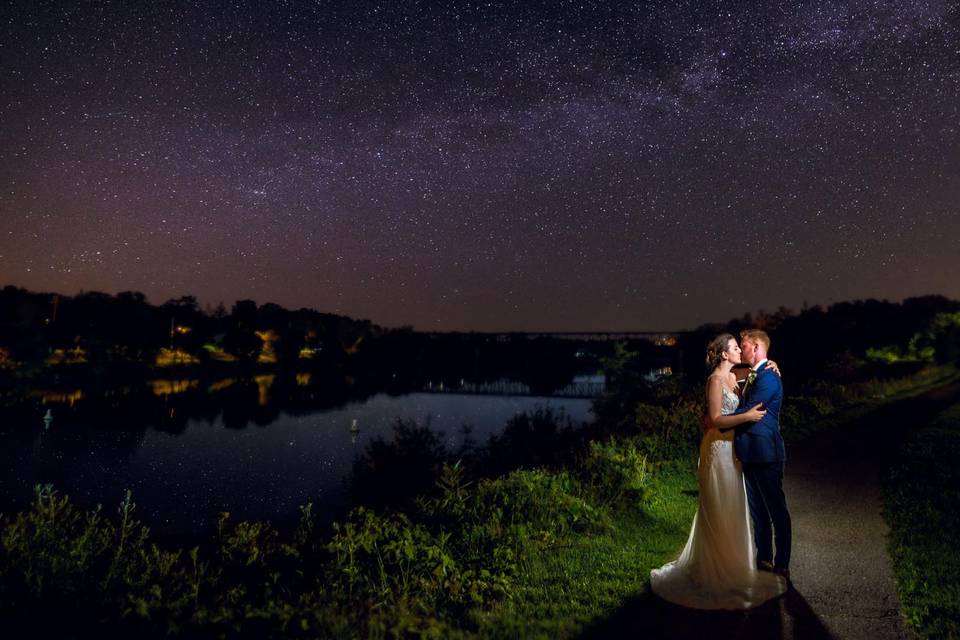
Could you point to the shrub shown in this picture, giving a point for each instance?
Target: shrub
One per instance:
(800, 410)
(617, 473)
(538, 505)
(543, 438)
(669, 432)
(392, 473)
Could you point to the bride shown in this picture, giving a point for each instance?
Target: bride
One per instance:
(717, 568)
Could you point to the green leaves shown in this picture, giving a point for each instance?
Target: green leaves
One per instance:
(922, 506)
(617, 473)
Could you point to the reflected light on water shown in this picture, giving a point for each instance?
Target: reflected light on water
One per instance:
(68, 397)
(190, 456)
(221, 385)
(170, 387)
(303, 379)
(264, 383)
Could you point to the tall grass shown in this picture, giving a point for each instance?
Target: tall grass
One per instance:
(922, 500)
(541, 547)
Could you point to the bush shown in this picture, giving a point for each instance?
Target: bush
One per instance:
(89, 569)
(392, 473)
(544, 438)
(922, 503)
(539, 506)
(800, 410)
(390, 561)
(669, 432)
(617, 474)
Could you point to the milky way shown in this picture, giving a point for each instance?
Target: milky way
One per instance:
(488, 166)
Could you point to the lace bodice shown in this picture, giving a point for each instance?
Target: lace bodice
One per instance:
(729, 401)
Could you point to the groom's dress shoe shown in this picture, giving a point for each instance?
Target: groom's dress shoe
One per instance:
(764, 565)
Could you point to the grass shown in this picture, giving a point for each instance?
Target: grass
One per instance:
(870, 396)
(563, 590)
(922, 502)
(532, 554)
(566, 588)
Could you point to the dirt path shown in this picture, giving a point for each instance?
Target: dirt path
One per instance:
(842, 575)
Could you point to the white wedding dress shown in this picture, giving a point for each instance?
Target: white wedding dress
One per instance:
(717, 568)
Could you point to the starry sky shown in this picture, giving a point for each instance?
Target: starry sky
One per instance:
(484, 165)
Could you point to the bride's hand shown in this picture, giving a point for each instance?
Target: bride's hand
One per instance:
(773, 365)
(756, 413)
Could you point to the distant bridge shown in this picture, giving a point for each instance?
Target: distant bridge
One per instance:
(503, 387)
(661, 338)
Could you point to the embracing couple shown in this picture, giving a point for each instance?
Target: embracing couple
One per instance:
(724, 564)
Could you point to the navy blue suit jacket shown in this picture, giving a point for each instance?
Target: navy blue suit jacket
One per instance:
(761, 441)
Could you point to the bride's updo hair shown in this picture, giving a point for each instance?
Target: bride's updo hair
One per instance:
(716, 348)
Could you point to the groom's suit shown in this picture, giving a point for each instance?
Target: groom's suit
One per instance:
(759, 447)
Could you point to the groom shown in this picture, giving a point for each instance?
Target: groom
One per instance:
(759, 447)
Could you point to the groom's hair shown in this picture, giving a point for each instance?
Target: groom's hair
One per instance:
(757, 335)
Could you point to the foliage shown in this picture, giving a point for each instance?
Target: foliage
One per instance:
(798, 410)
(617, 473)
(393, 472)
(400, 571)
(564, 588)
(543, 438)
(666, 433)
(490, 545)
(378, 574)
(941, 340)
(922, 498)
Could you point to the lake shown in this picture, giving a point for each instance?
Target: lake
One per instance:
(188, 451)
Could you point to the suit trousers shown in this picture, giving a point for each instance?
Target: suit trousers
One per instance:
(768, 506)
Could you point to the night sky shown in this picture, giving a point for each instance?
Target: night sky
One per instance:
(484, 166)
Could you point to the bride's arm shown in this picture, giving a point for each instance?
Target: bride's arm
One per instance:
(717, 421)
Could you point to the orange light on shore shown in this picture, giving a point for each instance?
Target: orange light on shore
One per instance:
(217, 353)
(268, 353)
(67, 356)
(173, 357)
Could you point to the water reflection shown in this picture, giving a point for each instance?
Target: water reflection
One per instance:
(61, 397)
(263, 386)
(221, 385)
(169, 387)
(187, 450)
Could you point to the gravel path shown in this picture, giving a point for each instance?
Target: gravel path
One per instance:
(842, 576)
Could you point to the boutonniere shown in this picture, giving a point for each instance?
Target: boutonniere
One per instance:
(751, 378)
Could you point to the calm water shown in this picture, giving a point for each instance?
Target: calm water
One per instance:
(182, 477)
